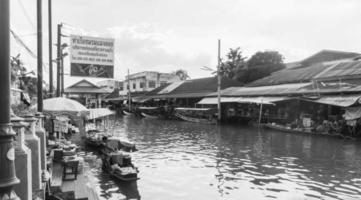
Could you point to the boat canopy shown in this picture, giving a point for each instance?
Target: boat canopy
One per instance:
(341, 101)
(352, 113)
(99, 112)
(257, 100)
(141, 99)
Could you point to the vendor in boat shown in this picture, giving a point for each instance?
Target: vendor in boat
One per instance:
(104, 146)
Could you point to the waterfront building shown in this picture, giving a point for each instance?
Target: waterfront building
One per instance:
(87, 93)
(147, 81)
(140, 84)
(110, 85)
(187, 93)
(324, 91)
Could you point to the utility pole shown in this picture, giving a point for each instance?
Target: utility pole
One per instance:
(7, 153)
(219, 81)
(129, 98)
(50, 50)
(58, 60)
(40, 56)
(62, 73)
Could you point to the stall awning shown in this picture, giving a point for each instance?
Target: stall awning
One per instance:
(257, 100)
(341, 101)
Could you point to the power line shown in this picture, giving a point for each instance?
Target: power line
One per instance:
(26, 14)
(30, 52)
(17, 38)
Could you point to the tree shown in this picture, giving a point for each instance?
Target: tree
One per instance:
(17, 69)
(235, 62)
(182, 74)
(262, 64)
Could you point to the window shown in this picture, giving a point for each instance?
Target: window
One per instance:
(141, 84)
(151, 84)
(134, 85)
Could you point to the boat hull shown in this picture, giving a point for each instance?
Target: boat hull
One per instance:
(127, 113)
(129, 177)
(149, 116)
(286, 130)
(195, 120)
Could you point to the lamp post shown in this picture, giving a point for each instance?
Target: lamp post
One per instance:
(7, 153)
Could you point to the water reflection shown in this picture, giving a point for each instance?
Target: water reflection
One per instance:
(181, 160)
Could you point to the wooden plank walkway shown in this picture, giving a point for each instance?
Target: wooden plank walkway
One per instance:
(80, 187)
(56, 176)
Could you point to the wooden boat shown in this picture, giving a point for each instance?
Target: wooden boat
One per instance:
(196, 115)
(149, 116)
(119, 165)
(93, 138)
(127, 113)
(300, 131)
(150, 112)
(116, 143)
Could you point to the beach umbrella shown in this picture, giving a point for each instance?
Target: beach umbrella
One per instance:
(61, 105)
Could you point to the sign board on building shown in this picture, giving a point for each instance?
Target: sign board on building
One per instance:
(91, 56)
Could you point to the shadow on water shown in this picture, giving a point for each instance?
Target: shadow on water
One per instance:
(181, 160)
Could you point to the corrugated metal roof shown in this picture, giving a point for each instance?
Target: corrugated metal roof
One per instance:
(291, 75)
(257, 100)
(328, 55)
(86, 90)
(204, 85)
(342, 69)
(339, 100)
(284, 89)
(181, 95)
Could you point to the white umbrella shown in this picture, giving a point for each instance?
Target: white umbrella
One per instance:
(61, 105)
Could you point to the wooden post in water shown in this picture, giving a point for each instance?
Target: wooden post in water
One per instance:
(260, 113)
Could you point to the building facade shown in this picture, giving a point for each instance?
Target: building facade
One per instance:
(147, 81)
(110, 84)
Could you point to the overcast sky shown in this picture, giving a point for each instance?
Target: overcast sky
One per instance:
(165, 35)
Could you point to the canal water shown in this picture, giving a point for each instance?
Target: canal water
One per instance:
(181, 160)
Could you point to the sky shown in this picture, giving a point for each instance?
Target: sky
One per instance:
(166, 35)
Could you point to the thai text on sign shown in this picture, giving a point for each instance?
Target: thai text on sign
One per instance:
(91, 56)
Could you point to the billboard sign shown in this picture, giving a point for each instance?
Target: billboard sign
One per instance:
(91, 56)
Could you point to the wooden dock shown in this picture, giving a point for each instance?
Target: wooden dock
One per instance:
(79, 188)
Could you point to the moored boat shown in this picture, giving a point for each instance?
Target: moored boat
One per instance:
(119, 165)
(149, 116)
(117, 143)
(150, 112)
(127, 113)
(94, 138)
(286, 129)
(196, 115)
